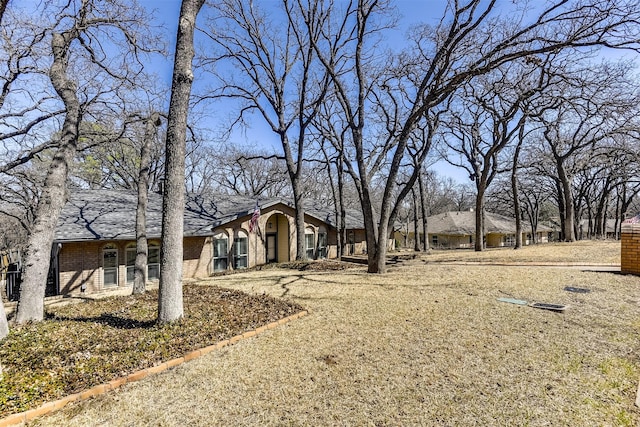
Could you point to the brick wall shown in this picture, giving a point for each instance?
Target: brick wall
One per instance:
(80, 263)
(198, 253)
(630, 251)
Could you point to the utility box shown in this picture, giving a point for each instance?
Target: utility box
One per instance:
(630, 252)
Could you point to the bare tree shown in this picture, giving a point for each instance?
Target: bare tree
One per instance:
(467, 43)
(594, 107)
(273, 74)
(108, 154)
(170, 303)
(140, 268)
(79, 38)
(3, 7)
(236, 170)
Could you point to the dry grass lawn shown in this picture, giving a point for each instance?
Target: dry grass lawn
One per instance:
(582, 252)
(425, 344)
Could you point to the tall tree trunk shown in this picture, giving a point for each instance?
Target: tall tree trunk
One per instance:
(375, 254)
(4, 325)
(142, 248)
(298, 201)
(38, 252)
(294, 170)
(601, 211)
(342, 227)
(170, 305)
(423, 211)
(479, 243)
(515, 191)
(561, 210)
(568, 231)
(516, 209)
(416, 230)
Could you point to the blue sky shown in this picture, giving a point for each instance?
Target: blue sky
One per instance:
(411, 12)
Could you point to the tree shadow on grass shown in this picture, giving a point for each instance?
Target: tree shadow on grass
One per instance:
(108, 319)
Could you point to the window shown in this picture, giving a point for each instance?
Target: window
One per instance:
(309, 243)
(153, 262)
(220, 252)
(322, 244)
(510, 240)
(434, 240)
(131, 263)
(110, 265)
(241, 250)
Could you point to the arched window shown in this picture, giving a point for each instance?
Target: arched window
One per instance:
(322, 243)
(241, 250)
(220, 251)
(309, 240)
(110, 265)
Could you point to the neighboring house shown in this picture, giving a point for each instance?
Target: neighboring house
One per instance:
(453, 230)
(94, 246)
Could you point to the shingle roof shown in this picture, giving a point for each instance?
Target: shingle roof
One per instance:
(326, 213)
(463, 223)
(110, 214)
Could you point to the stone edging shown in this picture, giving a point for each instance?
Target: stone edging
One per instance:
(47, 408)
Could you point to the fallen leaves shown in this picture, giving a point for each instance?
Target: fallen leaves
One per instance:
(82, 345)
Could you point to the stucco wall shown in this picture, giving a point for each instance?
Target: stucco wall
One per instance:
(280, 219)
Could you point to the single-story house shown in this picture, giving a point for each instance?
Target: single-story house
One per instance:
(94, 245)
(456, 229)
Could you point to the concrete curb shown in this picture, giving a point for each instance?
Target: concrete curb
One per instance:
(23, 417)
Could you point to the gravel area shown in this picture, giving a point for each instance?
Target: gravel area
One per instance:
(424, 344)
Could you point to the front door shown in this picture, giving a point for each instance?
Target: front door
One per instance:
(272, 249)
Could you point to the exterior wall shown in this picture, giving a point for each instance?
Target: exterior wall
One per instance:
(198, 255)
(360, 245)
(286, 227)
(630, 251)
(80, 263)
(446, 241)
(280, 219)
(543, 237)
(495, 240)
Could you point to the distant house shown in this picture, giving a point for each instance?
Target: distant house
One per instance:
(456, 229)
(94, 247)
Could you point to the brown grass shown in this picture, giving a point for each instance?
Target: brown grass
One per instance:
(582, 252)
(424, 344)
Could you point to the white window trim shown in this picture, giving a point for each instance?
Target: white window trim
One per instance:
(106, 249)
(244, 236)
(225, 256)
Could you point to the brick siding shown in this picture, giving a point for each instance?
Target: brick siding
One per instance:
(80, 263)
(630, 251)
